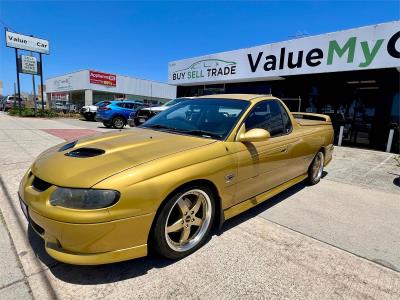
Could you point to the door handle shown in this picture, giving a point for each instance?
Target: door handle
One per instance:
(284, 149)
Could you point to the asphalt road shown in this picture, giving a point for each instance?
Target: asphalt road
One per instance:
(338, 239)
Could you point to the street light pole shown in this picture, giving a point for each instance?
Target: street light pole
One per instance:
(18, 84)
(34, 91)
(41, 80)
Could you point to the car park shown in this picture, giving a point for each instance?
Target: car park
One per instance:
(60, 106)
(89, 111)
(39, 103)
(72, 108)
(116, 113)
(145, 113)
(165, 184)
(8, 102)
(65, 107)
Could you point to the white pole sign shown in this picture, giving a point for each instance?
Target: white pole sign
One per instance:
(29, 64)
(24, 42)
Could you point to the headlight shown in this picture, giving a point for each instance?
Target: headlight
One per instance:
(83, 198)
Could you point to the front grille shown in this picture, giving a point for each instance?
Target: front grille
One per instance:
(40, 185)
(145, 113)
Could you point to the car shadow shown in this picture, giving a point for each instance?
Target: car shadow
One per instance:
(112, 128)
(91, 275)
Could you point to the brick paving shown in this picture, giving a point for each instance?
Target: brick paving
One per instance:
(71, 134)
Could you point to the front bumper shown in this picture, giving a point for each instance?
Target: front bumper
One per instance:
(80, 240)
(131, 123)
(141, 119)
(92, 244)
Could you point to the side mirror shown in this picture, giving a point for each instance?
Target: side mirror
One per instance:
(254, 135)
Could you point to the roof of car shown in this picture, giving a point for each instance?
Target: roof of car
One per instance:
(248, 97)
(129, 101)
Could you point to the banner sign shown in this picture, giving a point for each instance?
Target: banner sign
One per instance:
(103, 78)
(370, 47)
(59, 96)
(25, 42)
(28, 65)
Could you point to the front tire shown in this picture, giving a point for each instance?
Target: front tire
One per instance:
(184, 222)
(316, 169)
(87, 116)
(136, 122)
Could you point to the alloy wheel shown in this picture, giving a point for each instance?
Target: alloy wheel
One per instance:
(188, 220)
(118, 123)
(318, 166)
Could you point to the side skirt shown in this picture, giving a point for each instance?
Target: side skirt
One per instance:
(247, 204)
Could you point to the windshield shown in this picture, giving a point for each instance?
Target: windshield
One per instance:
(102, 103)
(209, 118)
(173, 102)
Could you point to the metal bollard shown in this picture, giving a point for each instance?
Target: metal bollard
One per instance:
(390, 140)
(340, 136)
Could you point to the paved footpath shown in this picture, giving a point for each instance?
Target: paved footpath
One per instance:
(253, 256)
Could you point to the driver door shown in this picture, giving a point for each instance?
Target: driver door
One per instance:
(264, 165)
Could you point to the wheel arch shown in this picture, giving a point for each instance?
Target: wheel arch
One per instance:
(218, 218)
(119, 115)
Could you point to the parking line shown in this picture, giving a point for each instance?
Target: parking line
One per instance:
(377, 166)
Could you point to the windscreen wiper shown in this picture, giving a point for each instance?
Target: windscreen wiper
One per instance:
(202, 133)
(158, 126)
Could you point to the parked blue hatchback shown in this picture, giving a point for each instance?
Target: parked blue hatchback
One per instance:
(116, 113)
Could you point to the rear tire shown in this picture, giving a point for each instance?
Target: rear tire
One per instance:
(118, 122)
(184, 222)
(316, 169)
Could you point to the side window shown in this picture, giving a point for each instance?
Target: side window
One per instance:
(129, 105)
(121, 104)
(287, 124)
(267, 115)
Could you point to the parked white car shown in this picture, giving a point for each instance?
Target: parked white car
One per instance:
(89, 111)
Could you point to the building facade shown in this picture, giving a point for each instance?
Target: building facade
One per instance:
(88, 87)
(351, 75)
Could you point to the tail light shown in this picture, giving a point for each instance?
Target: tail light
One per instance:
(104, 108)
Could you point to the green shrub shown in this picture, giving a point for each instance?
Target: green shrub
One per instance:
(29, 112)
(47, 113)
(25, 112)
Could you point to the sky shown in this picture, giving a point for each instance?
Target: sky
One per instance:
(138, 39)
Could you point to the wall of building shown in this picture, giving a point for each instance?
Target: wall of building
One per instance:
(124, 85)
